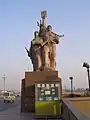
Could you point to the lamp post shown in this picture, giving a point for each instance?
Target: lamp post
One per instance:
(71, 79)
(86, 65)
(4, 78)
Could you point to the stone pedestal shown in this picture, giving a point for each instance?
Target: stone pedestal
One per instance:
(31, 88)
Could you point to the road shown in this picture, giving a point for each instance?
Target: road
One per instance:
(11, 111)
(5, 106)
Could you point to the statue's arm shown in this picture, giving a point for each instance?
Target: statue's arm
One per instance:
(36, 42)
(56, 39)
(33, 42)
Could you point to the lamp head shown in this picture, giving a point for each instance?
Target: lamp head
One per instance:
(71, 78)
(86, 65)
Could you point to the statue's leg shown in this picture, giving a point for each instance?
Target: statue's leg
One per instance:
(53, 57)
(34, 66)
(38, 60)
(50, 48)
(46, 59)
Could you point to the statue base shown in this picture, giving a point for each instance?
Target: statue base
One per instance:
(31, 85)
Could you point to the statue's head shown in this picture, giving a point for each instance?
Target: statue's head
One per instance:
(35, 34)
(49, 28)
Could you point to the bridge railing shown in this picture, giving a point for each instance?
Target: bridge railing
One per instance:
(71, 113)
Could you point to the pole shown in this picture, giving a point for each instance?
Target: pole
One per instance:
(86, 65)
(71, 78)
(88, 77)
(4, 78)
(71, 86)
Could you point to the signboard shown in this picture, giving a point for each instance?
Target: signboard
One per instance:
(47, 92)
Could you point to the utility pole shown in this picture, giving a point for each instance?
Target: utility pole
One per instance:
(4, 78)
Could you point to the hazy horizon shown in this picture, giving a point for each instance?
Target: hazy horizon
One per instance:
(17, 24)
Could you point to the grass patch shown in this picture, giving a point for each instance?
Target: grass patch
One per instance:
(48, 107)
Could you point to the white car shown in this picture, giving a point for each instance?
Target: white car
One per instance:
(9, 97)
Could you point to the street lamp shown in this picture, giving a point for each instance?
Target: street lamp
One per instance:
(71, 79)
(86, 65)
(4, 78)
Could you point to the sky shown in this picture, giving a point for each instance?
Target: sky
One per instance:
(18, 22)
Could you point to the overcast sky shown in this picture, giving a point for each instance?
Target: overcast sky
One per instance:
(18, 22)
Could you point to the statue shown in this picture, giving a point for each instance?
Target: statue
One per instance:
(49, 49)
(53, 39)
(34, 53)
(43, 47)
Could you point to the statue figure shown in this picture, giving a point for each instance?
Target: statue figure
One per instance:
(34, 53)
(54, 39)
(49, 49)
